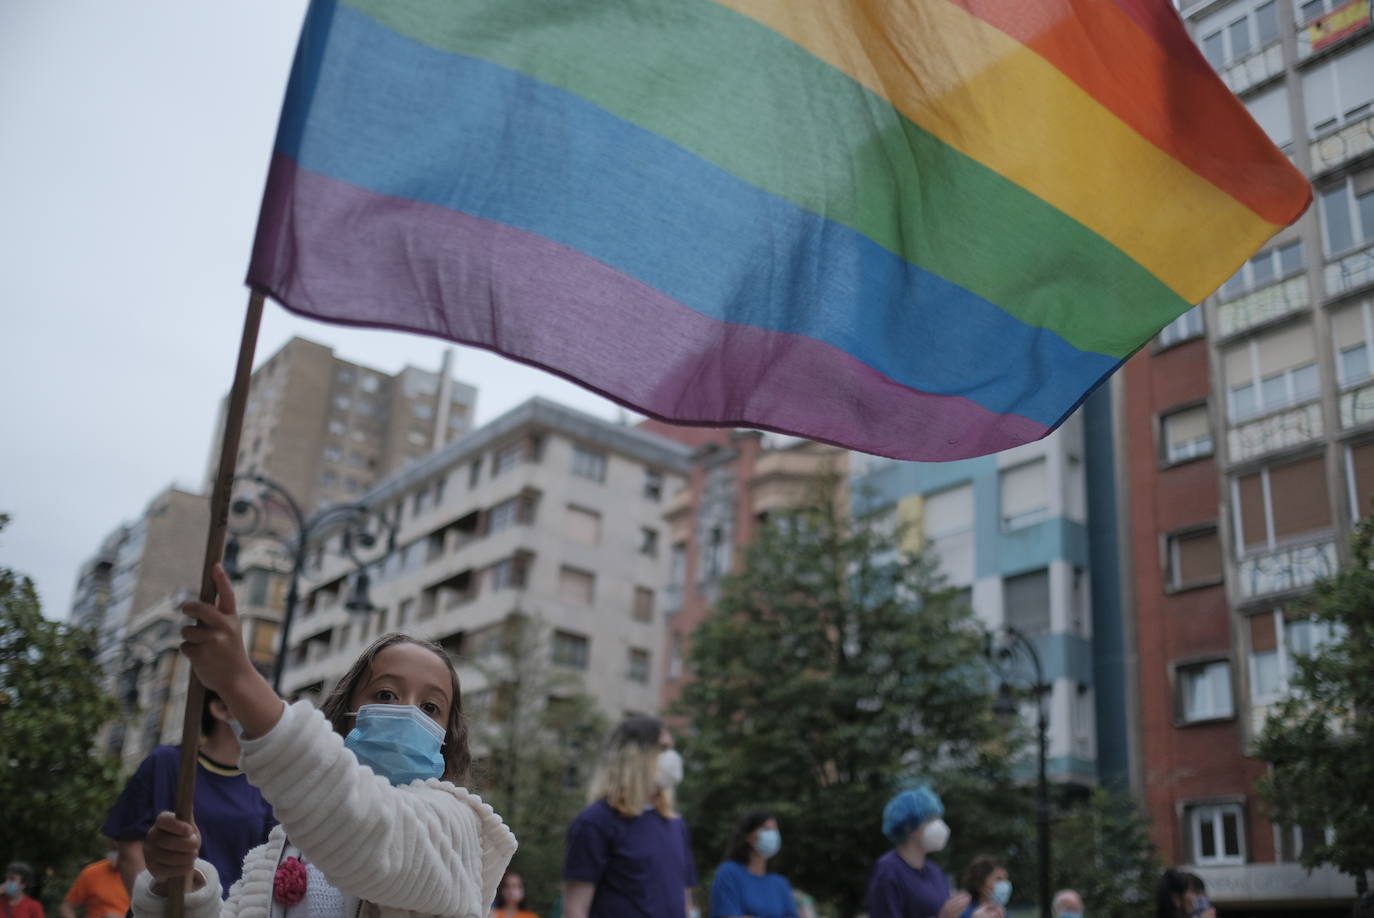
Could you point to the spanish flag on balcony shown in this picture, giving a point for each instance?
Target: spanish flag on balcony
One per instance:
(919, 228)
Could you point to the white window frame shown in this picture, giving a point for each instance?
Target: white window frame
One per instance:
(507, 457)
(1206, 669)
(1367, 341)
(570, 641)
(1195, 448)
(503, 515)
(589, 463)
(1216, 811)
(1029, 517)
(1229, 56)
(1262, 407)
(1353, 212)
(963, 527)
(1346, 114)
(1171, 544)
(633, 657)
(1323, 634)
(1184, 328)
(1245, 276)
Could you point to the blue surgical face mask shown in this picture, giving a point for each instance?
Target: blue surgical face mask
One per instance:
(398, 741)
(1001, 891)
(11, 888)
(769, 842)
(1070, 915)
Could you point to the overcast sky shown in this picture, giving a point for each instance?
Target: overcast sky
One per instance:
(133, 144)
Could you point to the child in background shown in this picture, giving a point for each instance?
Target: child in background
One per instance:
(510, 895)
(16, 902)
(374, 825)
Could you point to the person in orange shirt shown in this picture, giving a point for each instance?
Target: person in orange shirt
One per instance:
(99, 888)
(510, 895)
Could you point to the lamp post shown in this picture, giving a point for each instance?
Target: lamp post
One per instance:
(254, 519)
(1015, 642)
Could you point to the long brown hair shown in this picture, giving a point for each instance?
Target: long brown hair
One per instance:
(338, 707)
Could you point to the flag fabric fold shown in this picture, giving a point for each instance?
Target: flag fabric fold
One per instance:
(923, 229)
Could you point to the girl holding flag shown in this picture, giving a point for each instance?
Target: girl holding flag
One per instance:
(374, 820)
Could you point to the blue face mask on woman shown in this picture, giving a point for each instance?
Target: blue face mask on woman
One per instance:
(769, 843)
(398, 741)
(1001, 891)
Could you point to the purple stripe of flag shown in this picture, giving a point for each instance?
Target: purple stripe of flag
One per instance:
(340, 253)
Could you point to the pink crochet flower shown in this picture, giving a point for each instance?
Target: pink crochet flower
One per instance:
(288, 887)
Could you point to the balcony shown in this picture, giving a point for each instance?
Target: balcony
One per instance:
(1254, 69)
(1357, 406)
(1350, 272)
(1292, 567)
(1325, 31)
(1275, 432)
(1262, 305)
(1342, 145)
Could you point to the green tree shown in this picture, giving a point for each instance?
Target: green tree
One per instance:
(1103, 850)
(834, 670)
(55, 787)
(537, 733)
(1320, 737)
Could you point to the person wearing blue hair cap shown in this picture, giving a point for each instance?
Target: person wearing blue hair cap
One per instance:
(905, 883)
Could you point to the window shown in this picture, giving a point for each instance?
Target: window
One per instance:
(1205, 690)
(1270, 111)
(716, 555)
(1026, 602)
(1188, 325)
(1359, 475)
(581, 525)
(369, 383)
(638, 665)
(422, 410)
(421, 501)
(1280, 503)
(653, 484)
(948, 512)
(644, 605)
(507, 458)
(677, 564)
(417, 438)
(403, 612)
(1273, 664)
(589, 464)
(343, 402)
(675, 655)
(1024, 495)
(1194, 559)
(1348, 212)
(1270, 373)
(1215, 834)
(257, 587)
(576, 586)
(502, 515)
(648, 541)
(337, 427)
(1264, 269)
(1186, 434)
(1352, 333)
(1238, 31)
(507, 573)
(333, 453)
(474, 473)
(1340, 90)
(570, 649)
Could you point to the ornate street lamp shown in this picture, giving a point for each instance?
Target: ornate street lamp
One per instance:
(253, 517)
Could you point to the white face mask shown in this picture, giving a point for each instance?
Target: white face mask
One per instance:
(669, 773)
(934, 836)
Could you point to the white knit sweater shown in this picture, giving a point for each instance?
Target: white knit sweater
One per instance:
(424, 850)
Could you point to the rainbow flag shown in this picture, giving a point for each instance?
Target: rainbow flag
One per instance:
(925, 229)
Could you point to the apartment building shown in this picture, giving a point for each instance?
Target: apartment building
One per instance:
(1250, 443)
(1029, 537)
(327, 429)
(545, 512)
(737, 478)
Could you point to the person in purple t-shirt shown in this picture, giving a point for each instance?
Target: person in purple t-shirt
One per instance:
(628, 851)
(905, 883)
(230, 813)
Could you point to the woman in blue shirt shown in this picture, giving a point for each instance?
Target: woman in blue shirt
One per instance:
(743, 886)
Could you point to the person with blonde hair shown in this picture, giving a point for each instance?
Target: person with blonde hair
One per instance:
(628, 851)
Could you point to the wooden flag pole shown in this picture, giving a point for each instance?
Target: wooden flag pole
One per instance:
(214, 550)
